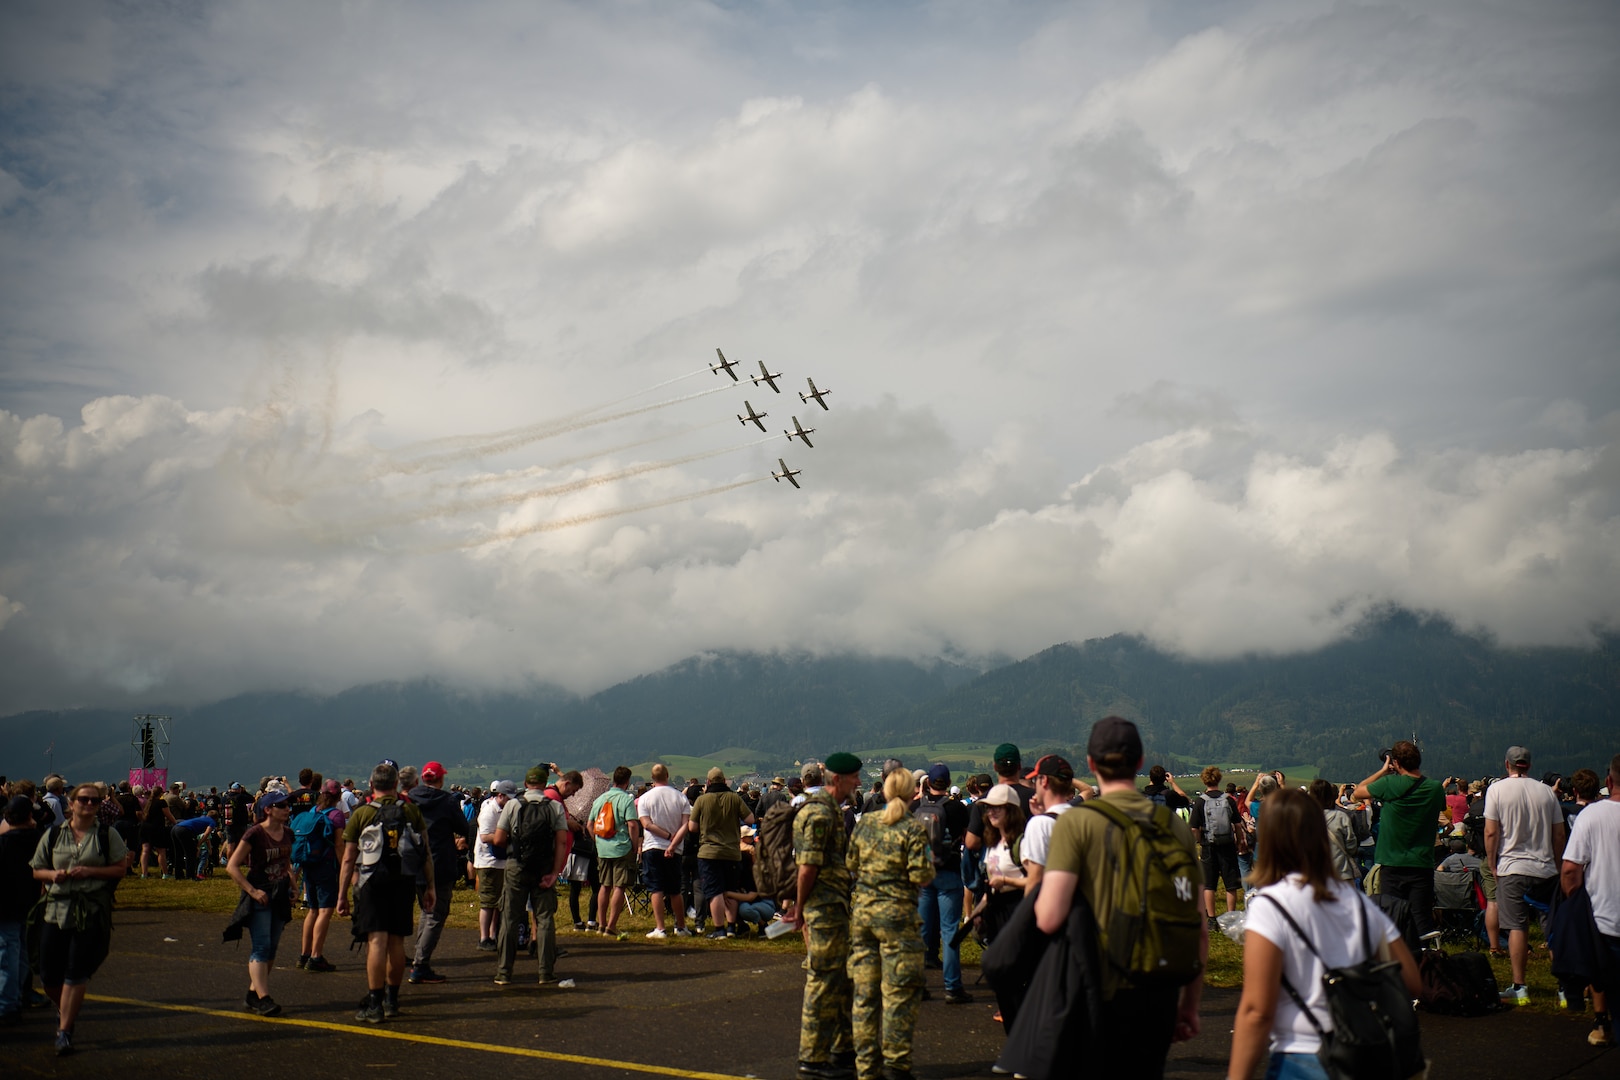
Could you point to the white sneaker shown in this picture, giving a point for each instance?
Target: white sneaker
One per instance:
(1516, 995)
(656, 934)
(681, 931)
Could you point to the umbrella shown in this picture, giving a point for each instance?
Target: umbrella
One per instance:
(595, 782)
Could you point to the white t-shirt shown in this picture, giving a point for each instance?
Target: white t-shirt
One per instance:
(1594, 842)
(998, 860)
(488, 815)
(1038, 835)
(666, 808)
(1528, 810)
(1333, 928)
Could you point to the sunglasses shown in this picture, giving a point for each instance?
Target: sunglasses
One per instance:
(87, 800)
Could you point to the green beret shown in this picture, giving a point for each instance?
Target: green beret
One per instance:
(536, 775)
(842, 764)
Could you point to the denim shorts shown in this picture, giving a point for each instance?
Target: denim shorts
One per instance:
(321, 886)
(265, 931)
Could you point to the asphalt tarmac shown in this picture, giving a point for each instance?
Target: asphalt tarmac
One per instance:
(168, 1002)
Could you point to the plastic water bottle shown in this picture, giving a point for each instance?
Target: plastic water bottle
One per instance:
(778, 928)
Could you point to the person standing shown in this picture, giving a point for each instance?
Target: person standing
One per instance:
(617, 829)
(81, 863)
(939, 901)
(1215, 820)
(19, 891)
(889, 859)
(384, 847)
(1412, 804)
(490, 862)
(1592, 860)
(1086, 860)
(821, 909)
(665, 817)
(534, 832)
(447, 831)
(266, 905)
(1524, 845)
(717, 818)
(320, 877)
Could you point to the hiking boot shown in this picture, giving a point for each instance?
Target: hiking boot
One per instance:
(266, 1006)
(371, 1012)
(64, 1043)
(320, 963)
(823, 1070)
(424, 973)
(844, 1059)
(1516, 995)
(1600, 1035)
(958, 997)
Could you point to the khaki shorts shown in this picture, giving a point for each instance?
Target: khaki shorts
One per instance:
(619, 872)
(491, 879)
(1487, 883)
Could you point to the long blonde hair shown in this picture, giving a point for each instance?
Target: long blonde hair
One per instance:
(898, 789)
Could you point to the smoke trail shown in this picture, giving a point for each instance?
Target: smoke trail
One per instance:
(524, 436)
(491, 502)
(537, 470)
(467, 441)
(585, 519)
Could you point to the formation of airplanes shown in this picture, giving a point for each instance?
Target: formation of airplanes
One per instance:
(768, 377)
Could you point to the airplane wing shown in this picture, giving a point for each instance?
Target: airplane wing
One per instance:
(792, 481)
(767, 378)
(724, 365)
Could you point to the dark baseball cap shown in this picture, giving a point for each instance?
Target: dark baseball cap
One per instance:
(939, 775)
(1052, 765)
(1007, 754)
(1115, 735)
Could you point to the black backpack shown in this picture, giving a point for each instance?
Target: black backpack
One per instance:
(1461, 985)
(931, 815)
(1375, 1028)
(533, 843)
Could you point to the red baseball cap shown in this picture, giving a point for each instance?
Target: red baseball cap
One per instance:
(433, 771)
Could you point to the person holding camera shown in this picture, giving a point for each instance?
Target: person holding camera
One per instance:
(1412, 804)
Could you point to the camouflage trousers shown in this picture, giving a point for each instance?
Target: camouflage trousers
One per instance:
(886, 976)
(824, 1021)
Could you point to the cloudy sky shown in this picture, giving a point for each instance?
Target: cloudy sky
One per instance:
(342, 343)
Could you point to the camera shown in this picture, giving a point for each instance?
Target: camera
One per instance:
(1384, 754)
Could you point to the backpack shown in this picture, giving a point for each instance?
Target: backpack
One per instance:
(532, 846)
(931, 815)
(776, 875)
(1461, 985)
(390, 845)
(1217, 817)
(312, 838)
(606, 824)
(1155, 797)
(1375, 1028)
(1154, 929)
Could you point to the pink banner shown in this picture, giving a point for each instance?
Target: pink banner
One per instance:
(149, 778)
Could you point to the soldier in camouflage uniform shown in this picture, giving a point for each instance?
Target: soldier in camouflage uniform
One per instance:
(889, 859)
(826, 1049)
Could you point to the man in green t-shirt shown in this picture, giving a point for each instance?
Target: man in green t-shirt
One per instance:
(1081, 860)
(1408, 825)
(618, 853)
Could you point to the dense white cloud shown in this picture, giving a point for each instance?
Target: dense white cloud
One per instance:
(1220, 332)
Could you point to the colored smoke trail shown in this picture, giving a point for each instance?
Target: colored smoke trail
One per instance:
(469, 441)
(492, 502)
(537, 470)
(519, 531)
(517, 437)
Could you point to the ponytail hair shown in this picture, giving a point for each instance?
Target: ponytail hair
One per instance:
(898, 789)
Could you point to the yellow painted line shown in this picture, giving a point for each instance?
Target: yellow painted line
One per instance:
(430, 1040)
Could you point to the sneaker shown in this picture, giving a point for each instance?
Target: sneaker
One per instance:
(390, 1008)
(579, 926)
(371, 1012)
(590, 924)
(720, 935)
(503, 980)
(691, 913)
(620, 935)
(487, 945)
(266, 1006)
(320, 963)
(1600, 1035)
(303, 961)
(958, 997)
(250, 1001)
(657, 934)
(1516, 995)
(64, 1043)
(424, 973)
(681, 931)
(547, 980)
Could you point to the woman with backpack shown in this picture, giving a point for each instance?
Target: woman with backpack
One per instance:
(1302, 921)
(266, 904)
(320, 829)
(81, 862)
(1003, 859)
